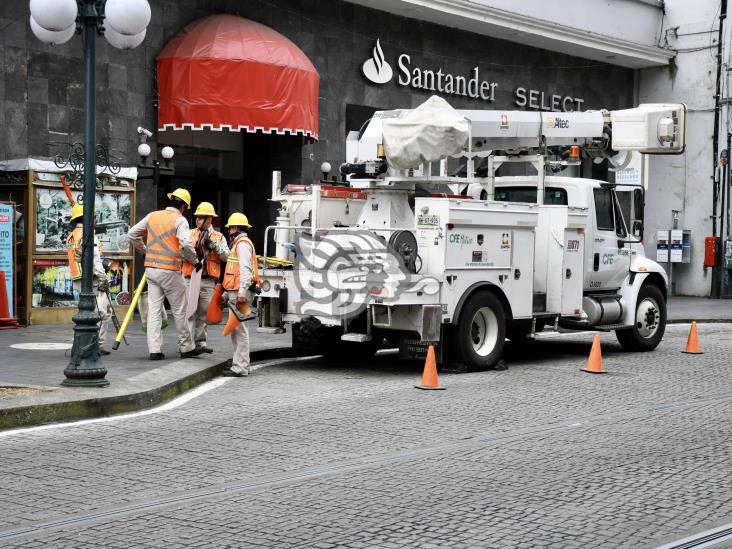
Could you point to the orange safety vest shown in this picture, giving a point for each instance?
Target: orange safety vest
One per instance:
(74, 252)
(163, 247)
(231, 273)
(213, 263)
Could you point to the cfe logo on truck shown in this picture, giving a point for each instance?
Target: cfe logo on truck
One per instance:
(336, 273)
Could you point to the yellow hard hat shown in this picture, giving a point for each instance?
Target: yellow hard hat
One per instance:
(205, 209)
(183, 194)
(238, 220)
(77, 211)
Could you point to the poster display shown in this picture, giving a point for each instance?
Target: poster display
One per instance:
(53, 287)
(112, 213)
(677, 238)
(7, 245)
(662, 246)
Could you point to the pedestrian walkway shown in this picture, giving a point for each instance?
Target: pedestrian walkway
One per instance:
(30, 390)
(701, 309)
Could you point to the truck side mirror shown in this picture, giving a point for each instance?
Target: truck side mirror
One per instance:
(638, 229)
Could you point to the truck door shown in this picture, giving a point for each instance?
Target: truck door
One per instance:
(610, 255)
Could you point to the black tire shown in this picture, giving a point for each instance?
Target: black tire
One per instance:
(481, 332)
(650, 321)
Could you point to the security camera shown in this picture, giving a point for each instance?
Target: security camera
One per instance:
(143, 131)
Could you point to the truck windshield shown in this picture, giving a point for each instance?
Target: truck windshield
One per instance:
(552, 196)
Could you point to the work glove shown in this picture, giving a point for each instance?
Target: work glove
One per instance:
(104, 285)
(210, 245)
(199, 265)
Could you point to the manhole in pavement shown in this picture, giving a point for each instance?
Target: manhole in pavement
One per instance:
(41, 346)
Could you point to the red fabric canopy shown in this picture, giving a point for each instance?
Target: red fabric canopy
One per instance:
(227, 72)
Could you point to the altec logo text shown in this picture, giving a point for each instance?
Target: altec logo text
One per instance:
(377, 70)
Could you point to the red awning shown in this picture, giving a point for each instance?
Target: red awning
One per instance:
(227, 72)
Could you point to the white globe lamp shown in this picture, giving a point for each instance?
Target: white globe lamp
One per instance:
(123, 41)
(54, 15)
(129, 17)
(143, 149)
(167, 153)
(52, 37)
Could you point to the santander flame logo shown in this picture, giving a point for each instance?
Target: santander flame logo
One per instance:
(376, 68)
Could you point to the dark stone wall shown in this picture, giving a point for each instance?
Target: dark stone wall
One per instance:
(41, 91)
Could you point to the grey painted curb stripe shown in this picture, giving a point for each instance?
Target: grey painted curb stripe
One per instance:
(708, 538)
(342, 467)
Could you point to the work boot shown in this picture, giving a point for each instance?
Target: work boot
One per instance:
(204, 349)
(228, 372)
(157, 356)
(191, 354)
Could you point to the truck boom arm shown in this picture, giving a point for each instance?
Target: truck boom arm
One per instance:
(650, 128)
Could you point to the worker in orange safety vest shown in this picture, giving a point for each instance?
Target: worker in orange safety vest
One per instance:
(164, 237)
(241, 278)
(100, 283)
(211, 249)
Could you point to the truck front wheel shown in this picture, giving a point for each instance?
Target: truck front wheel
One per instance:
(481, 332)
(650, 321)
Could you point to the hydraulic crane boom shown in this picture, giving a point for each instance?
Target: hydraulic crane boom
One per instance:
(649, 128)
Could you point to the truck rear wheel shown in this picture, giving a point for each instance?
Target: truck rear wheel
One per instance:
(481, 332)
(650, 321)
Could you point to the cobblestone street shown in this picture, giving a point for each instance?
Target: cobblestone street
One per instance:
(306, 455)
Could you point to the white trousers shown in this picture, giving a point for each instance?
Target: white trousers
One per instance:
(197, 322)
(240, 340)
(163, 283)
(103, 306)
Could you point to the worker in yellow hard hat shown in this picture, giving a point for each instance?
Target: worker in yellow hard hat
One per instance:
(211, 249)
(241, 278)
(164, 237)
(100, 283)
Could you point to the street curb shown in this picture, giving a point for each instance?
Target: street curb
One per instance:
(91, 408)
(699, 321)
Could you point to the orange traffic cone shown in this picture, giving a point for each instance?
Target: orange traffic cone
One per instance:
(6, 321)
(233, 322)
(215, 312)
(594, 363)
(429, 375)
(692, 344)
(4, 307)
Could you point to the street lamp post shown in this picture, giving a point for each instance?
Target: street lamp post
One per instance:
(124, 24)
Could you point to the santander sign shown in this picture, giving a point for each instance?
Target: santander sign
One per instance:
(377, 70)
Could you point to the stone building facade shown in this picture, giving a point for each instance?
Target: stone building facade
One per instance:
(41, 89)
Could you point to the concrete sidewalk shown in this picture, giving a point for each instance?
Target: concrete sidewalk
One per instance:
(31, 394)
(30, 391)
(701, 309)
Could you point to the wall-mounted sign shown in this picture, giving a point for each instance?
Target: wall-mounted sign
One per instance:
(677, 238)
(377, 70)
(662, 246)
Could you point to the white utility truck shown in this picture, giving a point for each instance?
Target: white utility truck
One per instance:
(406, 251)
